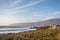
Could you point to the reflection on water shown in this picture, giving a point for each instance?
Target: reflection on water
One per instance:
(14, 30)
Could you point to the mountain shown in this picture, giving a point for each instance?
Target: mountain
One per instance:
(43, 23)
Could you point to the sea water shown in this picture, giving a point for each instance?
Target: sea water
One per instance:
(14, 30)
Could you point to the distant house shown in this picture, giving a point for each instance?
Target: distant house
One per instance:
(54, 26)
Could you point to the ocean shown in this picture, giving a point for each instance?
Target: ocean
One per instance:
(14, 30)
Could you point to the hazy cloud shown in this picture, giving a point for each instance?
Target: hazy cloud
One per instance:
(27, 5)
(47, 18)
(7, 16)
(57, 12)
(37, 14)
(15, 2)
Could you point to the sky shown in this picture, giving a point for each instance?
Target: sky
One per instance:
(21, 11)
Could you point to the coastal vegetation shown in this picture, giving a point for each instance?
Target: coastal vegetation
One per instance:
(44, 33)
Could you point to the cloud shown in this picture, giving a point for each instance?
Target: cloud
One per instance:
(56, 13)
(27, 5)
(37, 0)
(35, 19)
(25, 20)
(11, 12)
(8, 12)
(7, 15)
(37, 14)
(14, 3)
(30, 3)
(6, 20)
(47, 18)
(32, 20)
